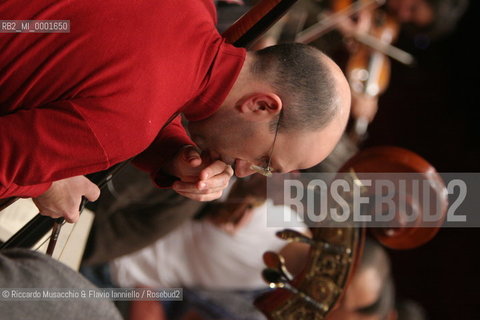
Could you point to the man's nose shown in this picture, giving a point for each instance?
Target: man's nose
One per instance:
(242, 168)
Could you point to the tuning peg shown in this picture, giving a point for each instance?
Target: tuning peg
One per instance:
(275, 280)
(292, 235)
(276, 262)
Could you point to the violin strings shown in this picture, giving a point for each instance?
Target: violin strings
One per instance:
(41, 244)
(66, 241)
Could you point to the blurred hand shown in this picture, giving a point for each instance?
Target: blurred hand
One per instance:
(63, 198)
(362, 24)
(232, 218)
(200, 178)
(364, 106)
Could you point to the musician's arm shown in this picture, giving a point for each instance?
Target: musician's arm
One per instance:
(158, 157)
(45, 144)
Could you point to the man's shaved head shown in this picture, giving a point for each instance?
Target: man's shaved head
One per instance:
(311, 86)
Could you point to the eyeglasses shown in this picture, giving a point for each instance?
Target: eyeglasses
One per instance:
(267, 170)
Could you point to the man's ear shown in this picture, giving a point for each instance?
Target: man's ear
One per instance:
(260, 106)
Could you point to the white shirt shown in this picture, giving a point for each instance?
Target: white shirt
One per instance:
(198, 254)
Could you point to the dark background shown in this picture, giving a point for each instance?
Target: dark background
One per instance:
(433, 110)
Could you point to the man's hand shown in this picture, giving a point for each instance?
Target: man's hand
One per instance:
(200, 178)
(63, 198)
(364, 106)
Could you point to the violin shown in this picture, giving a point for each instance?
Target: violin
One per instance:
(370, 32)
(368, 69)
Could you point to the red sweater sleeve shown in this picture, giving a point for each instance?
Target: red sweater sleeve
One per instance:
(162, 150)
(77, 103)
(14, 190)
(45, 144)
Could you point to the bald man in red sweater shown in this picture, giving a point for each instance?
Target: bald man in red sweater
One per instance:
(113, 87)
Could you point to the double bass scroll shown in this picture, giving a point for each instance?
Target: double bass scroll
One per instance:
(335, 251)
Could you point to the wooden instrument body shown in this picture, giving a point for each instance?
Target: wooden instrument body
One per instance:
(326, 275)
(368, 70)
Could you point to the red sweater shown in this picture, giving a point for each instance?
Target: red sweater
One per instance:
(79, 102)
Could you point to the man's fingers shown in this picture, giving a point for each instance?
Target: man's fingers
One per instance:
(196, 187)
(71, 216)
(70, 213)
(201, 197)
(192, 156)
(209, 184)
(216, 168)
(64, 196)
(93, 192)
(214, 184)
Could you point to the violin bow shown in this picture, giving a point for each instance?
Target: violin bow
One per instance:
(327, 24)
(256, 21)
(38, 226)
